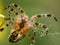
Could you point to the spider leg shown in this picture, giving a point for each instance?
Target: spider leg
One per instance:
(32, 39)
(3, 26)
(6, 23)
(43, 26)
(43, 15)
(33, 30)
(11, 9)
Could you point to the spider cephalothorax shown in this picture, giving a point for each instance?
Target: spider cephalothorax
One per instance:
(21, 23)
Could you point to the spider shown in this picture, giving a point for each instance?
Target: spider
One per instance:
(21, 23)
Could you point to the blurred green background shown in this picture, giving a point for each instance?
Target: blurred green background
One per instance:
(33, 7)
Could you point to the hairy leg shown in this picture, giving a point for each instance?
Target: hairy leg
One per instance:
(43, 26)
(43, 15)
(32, 39)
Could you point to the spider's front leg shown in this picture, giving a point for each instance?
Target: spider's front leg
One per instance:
(3, 26)
(43, 15)
(43, 26)
(5, 23)
(32, 39)
(15, 8)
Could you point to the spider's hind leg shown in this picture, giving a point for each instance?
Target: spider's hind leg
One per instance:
(34, 31)
(43, 26)
(32, 39)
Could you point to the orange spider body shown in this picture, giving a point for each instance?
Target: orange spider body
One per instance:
(20, 26)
